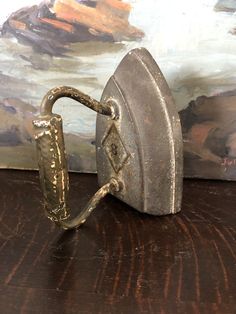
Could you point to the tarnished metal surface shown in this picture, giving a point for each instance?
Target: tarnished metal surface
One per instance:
(150, 133)
(139, 143)
(52, 166)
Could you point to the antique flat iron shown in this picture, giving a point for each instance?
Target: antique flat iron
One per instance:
(138, 143)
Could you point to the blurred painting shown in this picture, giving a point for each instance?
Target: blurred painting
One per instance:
(48, 43)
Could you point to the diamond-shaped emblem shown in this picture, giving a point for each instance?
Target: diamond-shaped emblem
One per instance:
(115, 149)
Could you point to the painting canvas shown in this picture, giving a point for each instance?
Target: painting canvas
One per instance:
(48, 43)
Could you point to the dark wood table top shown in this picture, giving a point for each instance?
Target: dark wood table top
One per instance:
(120, 261)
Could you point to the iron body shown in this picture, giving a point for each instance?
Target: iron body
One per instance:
(143, 147)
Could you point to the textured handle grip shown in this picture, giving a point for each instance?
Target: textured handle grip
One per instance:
(52, 166)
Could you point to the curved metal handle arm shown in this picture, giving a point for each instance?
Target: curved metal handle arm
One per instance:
(70, 92)
(52, 158)
(113, 185)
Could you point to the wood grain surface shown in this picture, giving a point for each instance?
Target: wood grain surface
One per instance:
(120, 261)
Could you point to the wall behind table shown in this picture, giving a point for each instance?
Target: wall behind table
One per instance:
(80, 43)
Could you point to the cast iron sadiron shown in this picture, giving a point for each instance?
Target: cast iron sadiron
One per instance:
(138, 143)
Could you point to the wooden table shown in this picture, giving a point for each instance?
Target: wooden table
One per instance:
(120, 261)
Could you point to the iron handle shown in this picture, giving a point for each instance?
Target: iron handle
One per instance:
(52, 160)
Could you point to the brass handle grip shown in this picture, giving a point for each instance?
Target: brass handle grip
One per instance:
(52, 158)
(52, 166)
